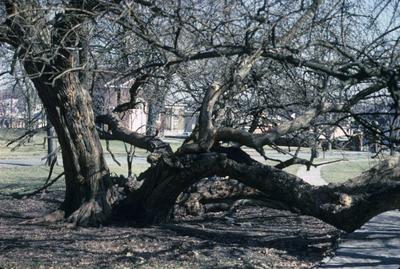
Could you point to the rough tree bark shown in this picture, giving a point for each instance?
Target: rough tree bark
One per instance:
(89, 194)
(51, 143)
(152, 115)
(90, 197)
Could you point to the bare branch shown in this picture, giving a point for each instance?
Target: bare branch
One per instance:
(119, 132)
(111, 153)
(310, 12)
(133, 91)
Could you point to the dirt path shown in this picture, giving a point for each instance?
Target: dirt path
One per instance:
(376, 245)
(313, 176)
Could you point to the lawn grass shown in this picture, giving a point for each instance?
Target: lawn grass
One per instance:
(26, 179)
(342, 171)
(33, 149)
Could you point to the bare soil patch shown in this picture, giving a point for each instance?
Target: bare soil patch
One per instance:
(252, 237)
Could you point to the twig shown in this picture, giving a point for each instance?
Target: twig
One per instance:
(28, 133)
(18, 195)
(112, 154)
(334, 161)
(54, 152)
(53, 162)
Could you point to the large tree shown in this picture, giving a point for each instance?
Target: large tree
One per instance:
(288, 68)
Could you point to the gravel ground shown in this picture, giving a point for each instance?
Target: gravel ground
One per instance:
(252, 237)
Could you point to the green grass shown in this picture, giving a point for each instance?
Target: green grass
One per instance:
(27, 179)
(27, 151)
(7, 134)
(342, 171)
(34, 149)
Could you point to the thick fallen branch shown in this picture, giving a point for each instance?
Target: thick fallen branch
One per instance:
(346, 206)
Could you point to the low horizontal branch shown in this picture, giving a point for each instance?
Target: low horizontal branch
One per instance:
(117, 131)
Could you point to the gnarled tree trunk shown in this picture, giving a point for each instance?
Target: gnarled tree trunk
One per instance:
(52, 64)
(88, 195)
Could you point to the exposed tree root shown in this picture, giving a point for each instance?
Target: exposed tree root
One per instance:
(97, 210)
(53, 217)
(91, 213)
(212, 194)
